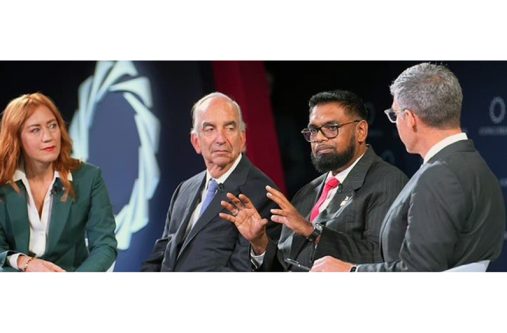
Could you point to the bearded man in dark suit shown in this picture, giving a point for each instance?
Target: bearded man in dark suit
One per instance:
(338, 213)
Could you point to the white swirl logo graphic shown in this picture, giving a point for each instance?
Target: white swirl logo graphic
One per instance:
(497, 103)
(122, 77)
(497, 116)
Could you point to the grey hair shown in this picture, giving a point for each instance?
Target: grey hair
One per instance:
(199, 103)
(432, 92)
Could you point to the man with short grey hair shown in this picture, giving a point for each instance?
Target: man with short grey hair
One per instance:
(451, 213)
(195, 238)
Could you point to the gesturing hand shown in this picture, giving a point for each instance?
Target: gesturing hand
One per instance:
(247, 219)
(288, 214)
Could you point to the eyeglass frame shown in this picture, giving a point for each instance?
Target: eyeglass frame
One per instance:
(390, 111)
(308, 131)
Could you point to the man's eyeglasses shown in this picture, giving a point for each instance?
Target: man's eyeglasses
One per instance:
(392, 114)
(330, 131)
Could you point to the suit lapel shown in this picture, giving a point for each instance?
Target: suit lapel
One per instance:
(342, 197)
(305, 209)
(194, 190)
(211, 212)
(59, 216)
(233, 183)
(16, 206)
(346, 191)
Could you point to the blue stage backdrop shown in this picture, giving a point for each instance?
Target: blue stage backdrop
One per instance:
(132, 119)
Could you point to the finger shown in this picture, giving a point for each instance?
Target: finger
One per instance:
(278, 198)
(319, 265)
(234, 199)
(52, 267)
(278, 219)
(227, 205)
(48, 264)
(316, 268)
(39, 265)
(231, 196)
(274, 199)
(321, 260)
(227, 217)
(279, 212)
(275, 192)
(245, 201)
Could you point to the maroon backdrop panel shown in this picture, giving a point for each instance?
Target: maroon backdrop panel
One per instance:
(246, 82)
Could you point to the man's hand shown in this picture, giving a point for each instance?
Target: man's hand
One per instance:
(248, 221)
(288, 214)
(330, 264)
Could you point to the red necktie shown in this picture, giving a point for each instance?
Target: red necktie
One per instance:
(331, 184)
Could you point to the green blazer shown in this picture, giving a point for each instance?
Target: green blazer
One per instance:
(81, 230)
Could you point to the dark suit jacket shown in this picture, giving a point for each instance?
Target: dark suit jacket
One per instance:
(89, 215)
(351, 222)
(450, 213)
(212, 244)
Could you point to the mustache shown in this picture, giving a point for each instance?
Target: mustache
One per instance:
(323, 147)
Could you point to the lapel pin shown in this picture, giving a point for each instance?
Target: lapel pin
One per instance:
(345, 201)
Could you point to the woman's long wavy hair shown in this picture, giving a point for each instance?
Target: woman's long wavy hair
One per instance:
(13, 118)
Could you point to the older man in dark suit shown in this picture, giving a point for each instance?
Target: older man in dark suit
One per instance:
(451, 213)
(195, 238)
(340, 212)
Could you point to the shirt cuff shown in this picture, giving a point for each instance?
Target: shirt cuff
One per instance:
(256, 259)
(13, 260)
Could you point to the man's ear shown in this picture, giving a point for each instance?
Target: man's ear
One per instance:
(194, 140)
(412, 119)
(243, 141)
(362, 131)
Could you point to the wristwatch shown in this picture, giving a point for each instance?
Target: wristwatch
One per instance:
(317, 230)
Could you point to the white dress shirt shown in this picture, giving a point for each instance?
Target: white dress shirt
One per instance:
(39, 225)
(219, 180)
(444, 143)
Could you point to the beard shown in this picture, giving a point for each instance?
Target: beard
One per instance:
(335, 160)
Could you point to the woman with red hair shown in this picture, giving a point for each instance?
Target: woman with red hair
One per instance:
(55, 212)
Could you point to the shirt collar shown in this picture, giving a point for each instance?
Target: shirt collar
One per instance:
(223, 178)
(444, 143)
(344, 173)
(20, 174)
